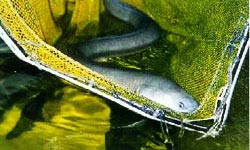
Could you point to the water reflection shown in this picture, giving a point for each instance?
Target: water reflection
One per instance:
(70, 118)
(47, 114)
(76, 120)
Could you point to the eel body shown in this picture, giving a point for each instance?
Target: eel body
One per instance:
(146, 32)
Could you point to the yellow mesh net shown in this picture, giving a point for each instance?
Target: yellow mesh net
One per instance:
(34, 27)
(46, 55)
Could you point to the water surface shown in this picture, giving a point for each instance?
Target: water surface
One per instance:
(44, 113)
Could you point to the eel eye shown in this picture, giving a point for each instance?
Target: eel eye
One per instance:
(181, 105)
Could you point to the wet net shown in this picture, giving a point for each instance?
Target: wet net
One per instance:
(207, 70)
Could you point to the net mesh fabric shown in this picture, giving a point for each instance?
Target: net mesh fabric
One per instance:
(21, 22)
(43, 53)
(24, 9)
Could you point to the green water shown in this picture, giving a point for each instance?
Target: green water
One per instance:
(40, 112)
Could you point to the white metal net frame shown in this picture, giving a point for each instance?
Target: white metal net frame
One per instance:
(221, 110)
(224, 99)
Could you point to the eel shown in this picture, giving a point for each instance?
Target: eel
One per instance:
(156, 88)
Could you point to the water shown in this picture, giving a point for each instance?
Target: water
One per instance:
(40, 111)
(44, 113)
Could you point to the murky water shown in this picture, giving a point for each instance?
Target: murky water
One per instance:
(42, 112)
(39, 111)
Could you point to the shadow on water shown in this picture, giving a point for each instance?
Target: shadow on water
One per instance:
(125, 133)
(38, 111)
(32, 112)
(15, 83)
(25, 87)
